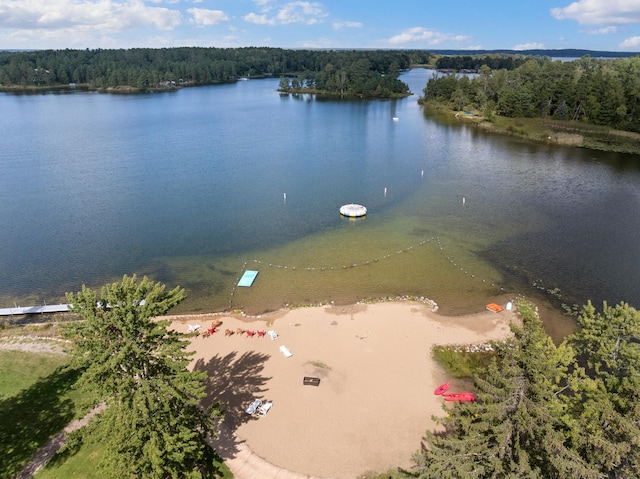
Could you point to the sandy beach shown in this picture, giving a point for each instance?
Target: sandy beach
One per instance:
(377, 380)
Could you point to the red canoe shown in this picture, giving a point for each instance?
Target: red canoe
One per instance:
(459, 397)
(443, 388)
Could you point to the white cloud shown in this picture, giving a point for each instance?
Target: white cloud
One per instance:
(424, 36)
(633, 42)
(308, 13)
(340, 25)
(600, 12)
(603, 30)
(103, 16)
(301, 12)
(203, 16)
(529, 46)
(258, 19)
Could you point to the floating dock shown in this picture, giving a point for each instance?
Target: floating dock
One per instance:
(353, 210)
(20, 310)
(248, 278)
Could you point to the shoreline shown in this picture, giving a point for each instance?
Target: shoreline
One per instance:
(375, 398)
(540, 130)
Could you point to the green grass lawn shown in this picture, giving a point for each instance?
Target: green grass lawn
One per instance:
(82, 465)
(461, 364)
(37, 401)
(20, 370)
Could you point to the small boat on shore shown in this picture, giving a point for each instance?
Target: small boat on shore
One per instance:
(443, 388)
(496, 308)
(461, 397)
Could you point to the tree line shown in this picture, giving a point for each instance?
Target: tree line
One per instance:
(474, 62)
(542, 411)
(596, 91)
(147, 68)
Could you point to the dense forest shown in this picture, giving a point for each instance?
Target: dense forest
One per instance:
(353, 71)
(596, 91)
(571, 411)
(474, 62)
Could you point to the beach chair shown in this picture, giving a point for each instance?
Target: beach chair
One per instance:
(264, 409)
(253, 407)
(272, 334)
(284, 350)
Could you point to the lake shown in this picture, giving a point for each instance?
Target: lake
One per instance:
(192, 187)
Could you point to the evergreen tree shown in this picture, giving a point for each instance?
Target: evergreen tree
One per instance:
(517, 427)
(153, 425)
(605, 398)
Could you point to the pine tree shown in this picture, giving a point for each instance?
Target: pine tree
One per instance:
(517, 427)
(605, 397)
(153, 425)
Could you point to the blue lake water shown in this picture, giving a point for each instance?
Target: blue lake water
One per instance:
(189, 188)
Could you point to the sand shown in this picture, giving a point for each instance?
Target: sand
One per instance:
(377, 380)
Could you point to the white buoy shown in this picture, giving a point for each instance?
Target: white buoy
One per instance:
(464, 200)
(422, 174)
(285, 197)
(385, 191)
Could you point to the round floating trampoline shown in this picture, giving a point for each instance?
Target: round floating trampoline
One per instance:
(353, 211)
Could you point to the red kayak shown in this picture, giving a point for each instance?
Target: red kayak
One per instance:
(459, 397)
(443, 388)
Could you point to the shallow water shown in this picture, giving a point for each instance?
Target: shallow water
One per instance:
(189, 188)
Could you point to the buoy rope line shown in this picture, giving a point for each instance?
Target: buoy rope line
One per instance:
(433, 239)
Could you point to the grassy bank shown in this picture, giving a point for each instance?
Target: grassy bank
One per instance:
(565, 133)
(461, 363)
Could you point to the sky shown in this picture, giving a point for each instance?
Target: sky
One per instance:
(604, 25)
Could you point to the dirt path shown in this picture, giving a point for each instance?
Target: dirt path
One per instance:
(50, 448)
